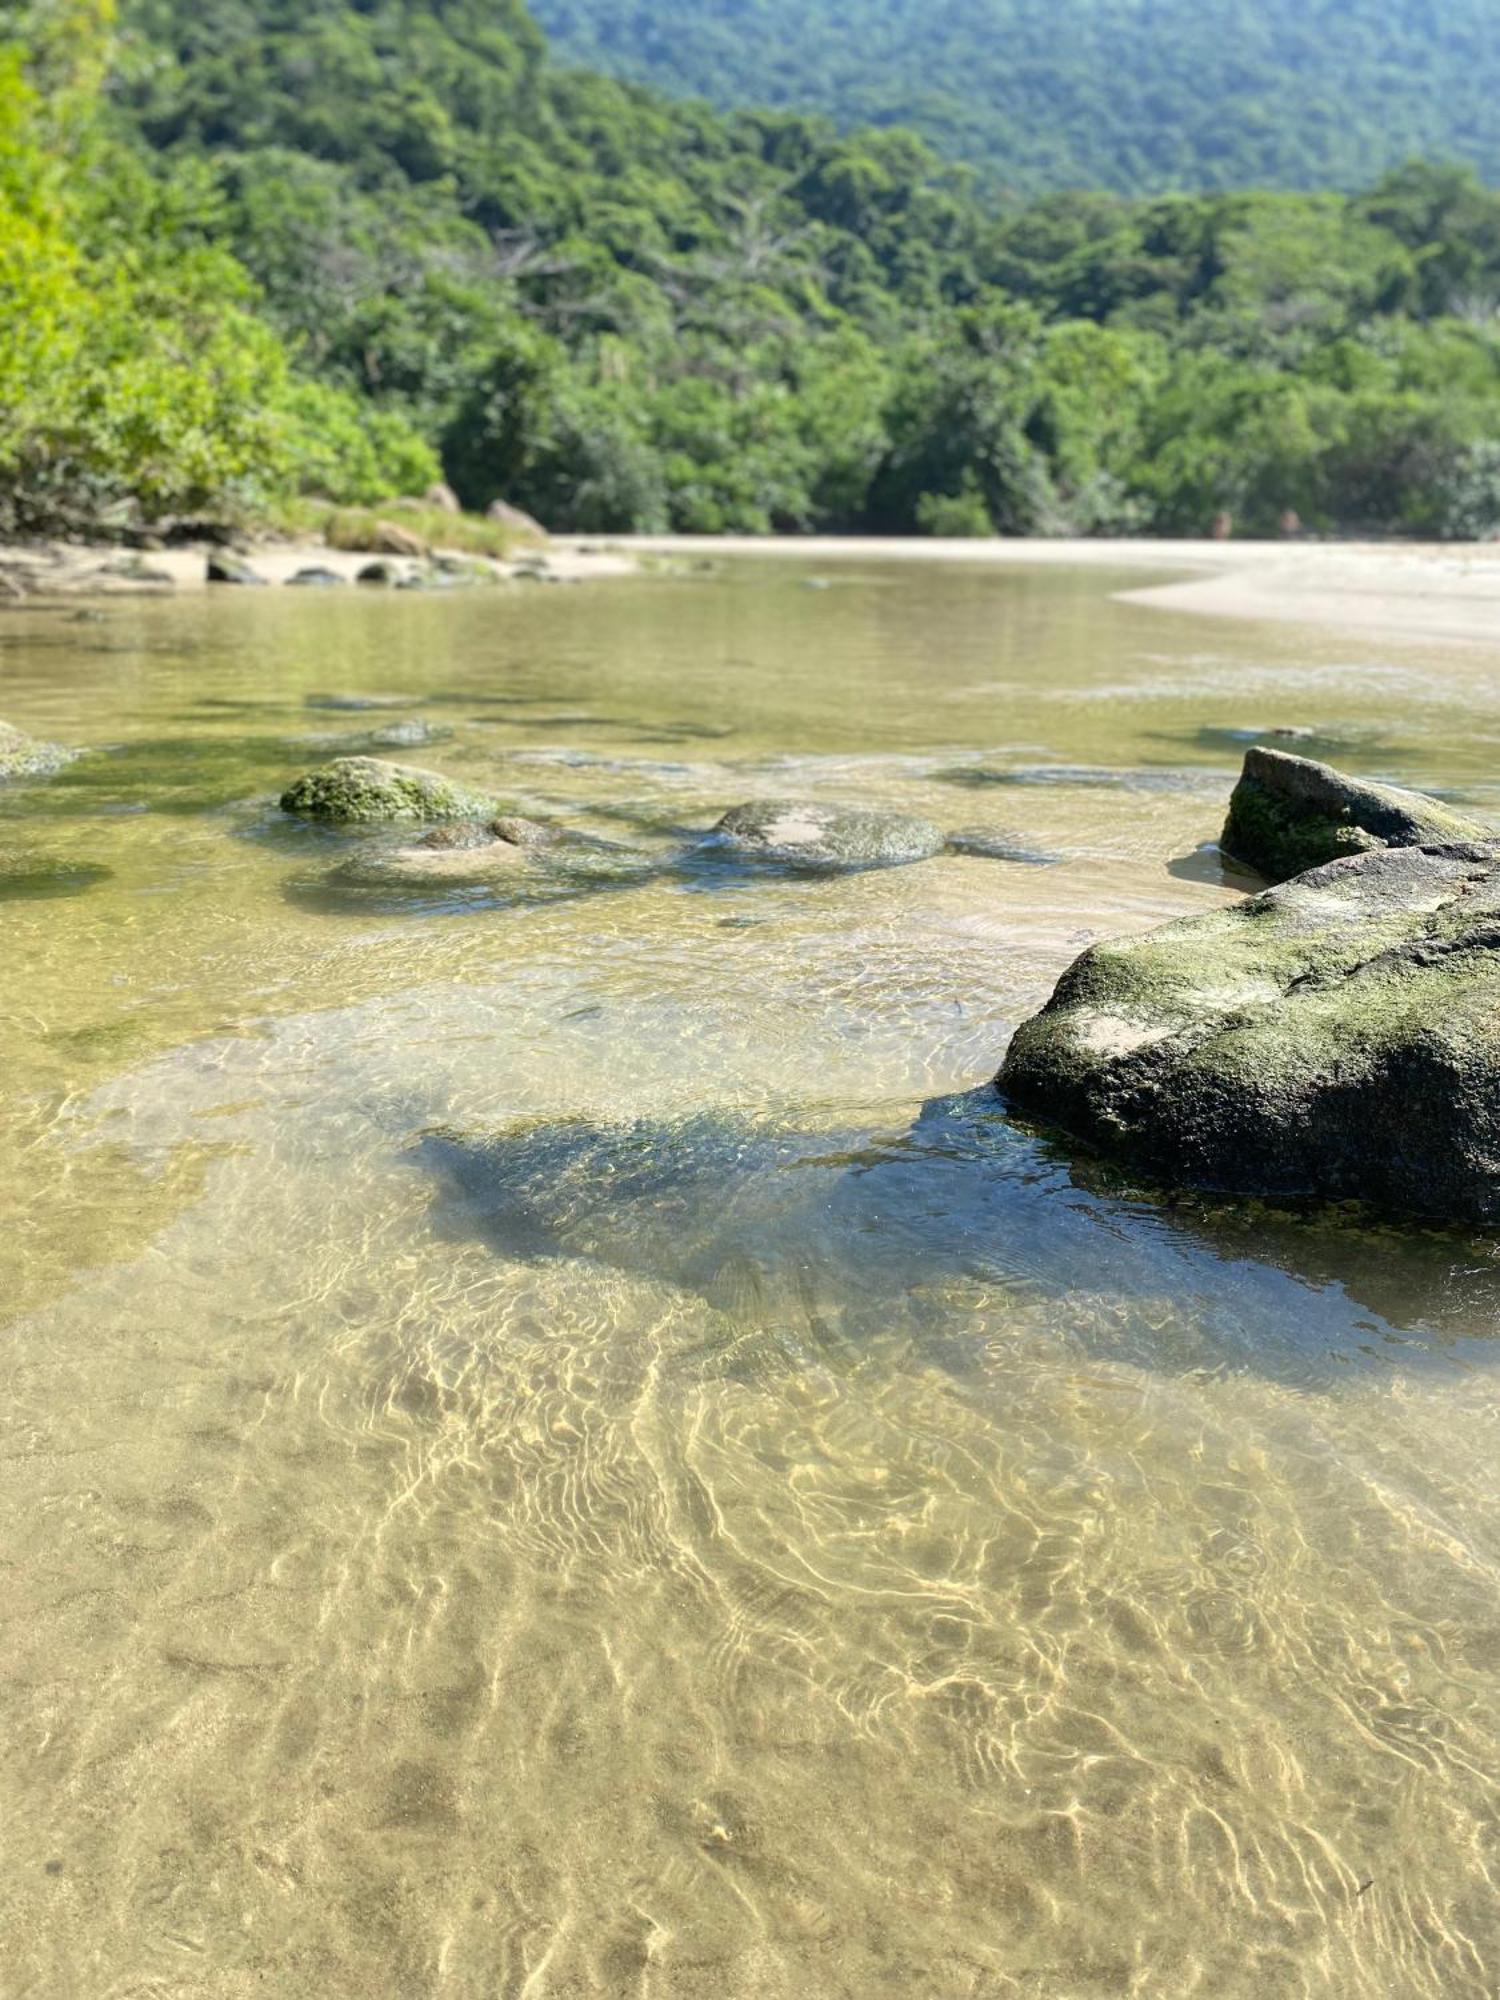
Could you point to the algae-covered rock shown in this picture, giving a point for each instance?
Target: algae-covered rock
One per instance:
(1338, 1037)
(505, 851)
(22, 756)
(1288, 814)
(791, 833)
(355, 791)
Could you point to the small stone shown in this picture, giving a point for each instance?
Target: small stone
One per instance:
(223, 567)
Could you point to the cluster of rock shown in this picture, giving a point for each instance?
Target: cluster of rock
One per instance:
(388, 565)
(1335, 1037)
(470, 837)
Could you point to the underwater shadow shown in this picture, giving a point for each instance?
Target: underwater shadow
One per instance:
(965, 1214)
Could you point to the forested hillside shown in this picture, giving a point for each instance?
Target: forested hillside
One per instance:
(257, 248)
(1136, 95)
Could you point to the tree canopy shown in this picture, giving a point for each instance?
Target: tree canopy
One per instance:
(252, 247)
(1141, 96)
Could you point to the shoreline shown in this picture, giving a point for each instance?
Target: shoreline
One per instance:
(32, 573)
(1444, 591)
(1447, 593)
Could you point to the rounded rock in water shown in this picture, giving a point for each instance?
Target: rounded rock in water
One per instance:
(356, 791)
(471, 854)
(792, 833)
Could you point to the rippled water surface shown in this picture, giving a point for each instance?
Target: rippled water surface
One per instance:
(562, 1447)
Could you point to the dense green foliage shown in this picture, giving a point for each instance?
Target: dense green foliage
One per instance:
(135, 373)
(1141, 96)
(322, 233)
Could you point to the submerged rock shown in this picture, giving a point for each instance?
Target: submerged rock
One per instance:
(1336, 1037)
(24, 876)
(317, 576)
(355, 791)
(1288, 814)
(405, 735)
(994, 843)
(22, 756)
(410, 734)
(357, 702)
(473, 853)
(791, 833)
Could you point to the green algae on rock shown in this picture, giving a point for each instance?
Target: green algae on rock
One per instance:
(1337, 1037)
(22, 756)
(1288, 814)
(355, 791)
(791, 833)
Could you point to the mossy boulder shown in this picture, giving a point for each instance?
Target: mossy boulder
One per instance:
(1288, 814)
(356, 791)
(22, 756)
(793, 834)
(1337, 1037)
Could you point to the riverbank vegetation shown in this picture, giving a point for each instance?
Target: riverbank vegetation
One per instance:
(251, 250)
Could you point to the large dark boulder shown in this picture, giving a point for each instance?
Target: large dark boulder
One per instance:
(1336, 1037)
(1288, 814)
(354, 791)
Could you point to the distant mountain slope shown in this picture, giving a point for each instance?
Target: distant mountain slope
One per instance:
(1137, 95)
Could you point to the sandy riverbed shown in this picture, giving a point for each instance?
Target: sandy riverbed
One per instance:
(1448, 591)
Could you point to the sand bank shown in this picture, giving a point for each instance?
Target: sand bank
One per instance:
(1399, 590)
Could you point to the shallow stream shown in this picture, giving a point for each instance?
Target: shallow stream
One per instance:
(561, 1447)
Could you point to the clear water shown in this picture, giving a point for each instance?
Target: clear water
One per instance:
(534, 1466)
